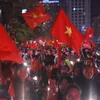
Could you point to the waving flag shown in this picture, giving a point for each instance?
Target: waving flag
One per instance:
(35, 17)
(66, 32)
(89, 33)
(8, 50)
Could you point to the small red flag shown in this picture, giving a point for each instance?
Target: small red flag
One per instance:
(24, 44)
(89, 33)
(56, 43)
(41, 38)
(8, 50)
(35, 17)
(11, 90)
(66, 32)
(33, 45)
(59, 55)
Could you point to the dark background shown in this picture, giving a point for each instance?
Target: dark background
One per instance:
(95, 8)
(7, 7)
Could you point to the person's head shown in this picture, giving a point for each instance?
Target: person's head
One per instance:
(14, 69)
(63, 83)
(89, 61)
(49, 51)
(76, 70)
(22, 73)
(88, 71)
(62, 62)
(73, 92)
(64, 70)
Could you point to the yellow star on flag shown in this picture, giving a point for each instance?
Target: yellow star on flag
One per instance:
(68, 31)
(34, 15)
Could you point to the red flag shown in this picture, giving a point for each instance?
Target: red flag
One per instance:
(48, 40)
(66, 32)
(55, 43)
(24, 44)
(8, 50)
(36, 16)
(89, 33)
(59, 55)
(41, 38)
(33, 45)
(93, 45)
(11, 90)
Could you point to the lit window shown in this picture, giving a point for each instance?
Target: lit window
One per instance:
(74, 9)
(77, 9)
(83, 28)
(50, 1)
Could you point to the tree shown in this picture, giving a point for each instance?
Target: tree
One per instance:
(23, 32)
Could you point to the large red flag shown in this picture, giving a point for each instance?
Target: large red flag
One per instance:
(66, 32)
(8, 50)
(35, 17)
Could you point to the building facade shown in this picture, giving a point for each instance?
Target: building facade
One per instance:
(96, 26)
(80, 13)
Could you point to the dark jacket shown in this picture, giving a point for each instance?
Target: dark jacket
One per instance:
(4, 93)
(88, 87)
(49, 60)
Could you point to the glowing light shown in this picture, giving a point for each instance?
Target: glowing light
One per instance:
(44, 23)
(92, 97)
(35, 78)
(34, 41)
(78, 60)
(49, 1)
(28, 69)
(24, 10)
(37, 90)
(71, 62)
(98, 53)
(83, 28)
(48, 88)
(98, 71)
(25, 64)
(74, 9)
(78, 9)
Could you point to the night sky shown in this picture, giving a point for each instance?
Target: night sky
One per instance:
(95, 8)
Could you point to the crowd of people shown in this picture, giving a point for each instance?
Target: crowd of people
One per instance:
(45, 77)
